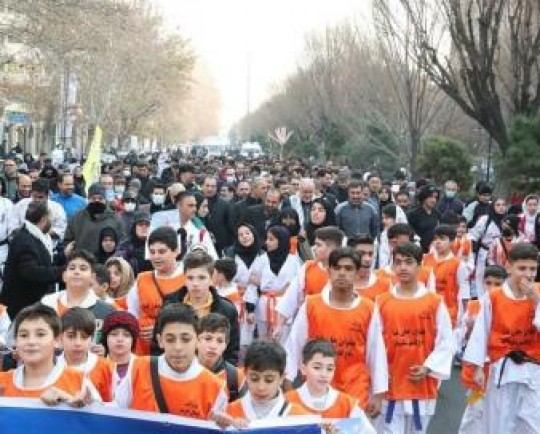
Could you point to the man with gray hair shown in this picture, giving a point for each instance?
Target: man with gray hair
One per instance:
(302, 200)
(259, 187)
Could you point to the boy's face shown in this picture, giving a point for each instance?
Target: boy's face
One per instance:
(119, 342)
(388, 221)
(492, 282)
(322, 249)
(100, 289)
(405, 268)
(365, 251)
(162, 257)
(108, 244)
(210, 347)
(179, 342)
(78, 274)
(319, 372)
(398, 241)
(198, 281)
(76, 345)
(343, 274)
(461, 229)
(521, 270)
(263, 385)
(218, 279)
(35, 342)
(442, 244)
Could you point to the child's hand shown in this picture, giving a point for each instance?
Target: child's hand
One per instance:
(81, 399)
(479, 377)
(240, 423)
(329, 428)
(54, 396)
(373, 408)
(417, 373)
(98, 349)
(528, 289)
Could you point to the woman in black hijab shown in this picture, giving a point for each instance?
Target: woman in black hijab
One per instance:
(321, 214)
(277, 247)
(247, 245)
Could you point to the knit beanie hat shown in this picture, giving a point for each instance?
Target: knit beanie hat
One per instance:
(120, 319)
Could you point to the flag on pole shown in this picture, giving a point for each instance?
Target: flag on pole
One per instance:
(92, 166)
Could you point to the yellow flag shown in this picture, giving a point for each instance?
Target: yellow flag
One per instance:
(92, 166)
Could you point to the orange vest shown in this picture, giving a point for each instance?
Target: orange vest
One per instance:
(446, 282)
(236, 410)
(380, 286)
(462, 248)
(120, 303)
(512, 327)
(192, 398)
(341, 409)
(316, 278)
(101, 378)
(70, 381)
(293, 245)
(409, 331)
(151, 301)
(468, 369)
(347, 329)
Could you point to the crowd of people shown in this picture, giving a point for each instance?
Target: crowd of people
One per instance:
(237, 290)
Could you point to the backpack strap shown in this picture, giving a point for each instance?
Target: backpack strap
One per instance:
(156, 385)
(283, 408)
(232, 381)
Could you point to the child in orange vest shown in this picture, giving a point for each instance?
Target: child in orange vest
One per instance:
(78, 329)
(451, 274)
(37, 332)
(265, 366)
(119, 337)
(507, 334)
(317, 396)
(214, 335)
(312, 277)
(145, 299)
(175, 382)
(367, 283)
(399, 234)
(471, 423)
(348, 320)
(419, 343)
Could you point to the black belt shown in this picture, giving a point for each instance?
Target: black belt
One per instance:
(519, 358)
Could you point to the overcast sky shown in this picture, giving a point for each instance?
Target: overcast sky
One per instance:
(223, 32)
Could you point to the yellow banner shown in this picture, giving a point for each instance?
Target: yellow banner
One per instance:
(92, 166)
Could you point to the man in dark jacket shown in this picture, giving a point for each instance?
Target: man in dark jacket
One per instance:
(203, 298)
(261, 217)
(425, 217)
(29, 272)
(259, 187)
(217, 221)
(83, 229)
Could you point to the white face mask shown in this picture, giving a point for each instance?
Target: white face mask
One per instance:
(130, 206)
(158, 199)
(126, 173)
(230, 179)
(119, 189)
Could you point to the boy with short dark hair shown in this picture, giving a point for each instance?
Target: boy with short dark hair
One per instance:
(146, 298)
(224, 272)
(175, 382)
(312, 277)
(37, 327)
(265, 369)
(102, 281)
(420, 346)
(507, 334)
(213, 338)
(316, 395)
(451, 274)
(79, 276)
(78, 328)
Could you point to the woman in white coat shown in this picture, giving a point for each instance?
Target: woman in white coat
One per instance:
(486, 230)
(270, 277)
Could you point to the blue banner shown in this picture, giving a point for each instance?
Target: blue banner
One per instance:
(25, 416)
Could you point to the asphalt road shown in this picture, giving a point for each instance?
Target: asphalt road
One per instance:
(450, 406)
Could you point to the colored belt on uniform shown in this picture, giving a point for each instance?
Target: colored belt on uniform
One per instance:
(519, 357)
(416, 414)
(271, 303)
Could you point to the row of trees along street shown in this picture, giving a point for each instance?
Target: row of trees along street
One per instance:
(372, 94)
(133, 77)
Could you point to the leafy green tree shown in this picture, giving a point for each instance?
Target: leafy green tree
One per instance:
(443, 158)
(521, 165)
